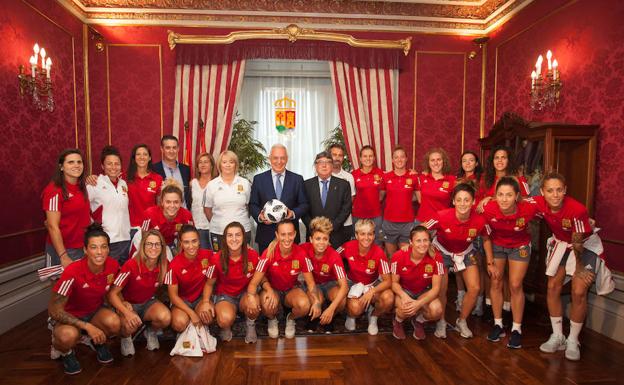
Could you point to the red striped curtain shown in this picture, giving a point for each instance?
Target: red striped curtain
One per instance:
(205, 100)
(364, 97)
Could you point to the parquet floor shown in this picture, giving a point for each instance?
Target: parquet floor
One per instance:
(346, 359)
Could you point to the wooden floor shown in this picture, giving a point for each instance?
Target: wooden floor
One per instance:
(350, 359)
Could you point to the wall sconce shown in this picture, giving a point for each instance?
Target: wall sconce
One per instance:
(98, 38)
(545, 88)
(38, 84)
(480, 42)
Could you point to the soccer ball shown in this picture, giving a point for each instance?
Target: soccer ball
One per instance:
(275, 210)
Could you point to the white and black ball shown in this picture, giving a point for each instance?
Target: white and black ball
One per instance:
(275, 211)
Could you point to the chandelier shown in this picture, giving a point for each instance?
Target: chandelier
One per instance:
(545, 87)
(37, 85)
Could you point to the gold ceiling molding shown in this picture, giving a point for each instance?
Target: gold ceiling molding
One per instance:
(454, 17)
(291, 33)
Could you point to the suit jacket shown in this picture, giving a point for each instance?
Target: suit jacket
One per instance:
(337, 206)
(293, 196)
(185, 171)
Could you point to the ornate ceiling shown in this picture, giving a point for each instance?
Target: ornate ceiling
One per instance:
(466, 17)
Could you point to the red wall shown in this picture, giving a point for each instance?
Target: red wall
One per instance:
(587, 39)
(35, 138)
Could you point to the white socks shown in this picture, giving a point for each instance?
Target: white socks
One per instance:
(420, 318)
(516, 327)
(575, 330)
(498, 322)
(557, 325)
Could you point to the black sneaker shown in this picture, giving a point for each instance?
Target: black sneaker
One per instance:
(312, 326)
(515, 340)
(70, 363)
(104, 355)
(496, 334)
(329, 328)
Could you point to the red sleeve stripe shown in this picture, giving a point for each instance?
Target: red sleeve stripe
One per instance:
(579, 226)
(261, 265)
(65, 286)
(53, 203)
(430, 223)
(339, 271)
(210, 272)
(121, 278)
(309, 264)
(394, 268)
(384, 267)
(168, 278)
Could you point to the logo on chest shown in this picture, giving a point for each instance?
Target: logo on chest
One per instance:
(566, 224)
(324, 269)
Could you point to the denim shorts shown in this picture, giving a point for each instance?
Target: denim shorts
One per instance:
(521, 254)
(416, 295)
(141, 308)
(396, 232)
(323, 287)
(469, 260)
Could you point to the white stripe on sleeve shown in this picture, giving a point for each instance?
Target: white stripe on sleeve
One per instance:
(430, 223)
(64, 289)
(339, 271)
(168, 278)
(210, 272)
(261, 264)
(121, 278)
(384, 267)
(488, 229)
(309, 263)
(394, 268)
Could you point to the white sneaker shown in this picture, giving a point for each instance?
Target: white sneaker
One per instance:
(440, 331)
(127, 347)
(273, 328)
(573, 350)
(289, 332)
(250, 332)
(373, 329)
(152, 339)
(226, 335)
(555, 343)
(86, 340)
(462, 327)
(350, 324)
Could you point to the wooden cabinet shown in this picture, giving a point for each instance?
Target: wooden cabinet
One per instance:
(569, 149)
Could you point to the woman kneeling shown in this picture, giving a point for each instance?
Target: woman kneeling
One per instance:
(416, 280)
(234, 265)
(186, 278)
(328, 271)
(282, 262)
(78, 298)
(134, 293)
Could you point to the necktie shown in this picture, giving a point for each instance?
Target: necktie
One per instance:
(278, 186)
(324, 192)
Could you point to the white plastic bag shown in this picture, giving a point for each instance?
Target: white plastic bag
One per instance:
(207, 342)
(188, 343)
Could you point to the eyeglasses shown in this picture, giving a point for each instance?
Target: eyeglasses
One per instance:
(324, 162)
(151, 245)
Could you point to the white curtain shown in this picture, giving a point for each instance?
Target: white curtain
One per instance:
(316, 111)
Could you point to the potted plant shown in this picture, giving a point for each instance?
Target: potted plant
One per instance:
(336, 137)
(251, 153)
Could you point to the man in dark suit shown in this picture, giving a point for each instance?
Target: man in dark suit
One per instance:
(329, 197)
(276, 183)
(169, 167)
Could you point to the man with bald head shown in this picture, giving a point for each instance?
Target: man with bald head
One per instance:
(276, 183)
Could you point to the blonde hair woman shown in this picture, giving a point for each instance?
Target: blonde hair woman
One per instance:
(227, 199)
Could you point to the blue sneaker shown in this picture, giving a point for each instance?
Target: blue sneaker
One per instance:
(515, 341)
(104, 355)
(496, 334)
(71, 365)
